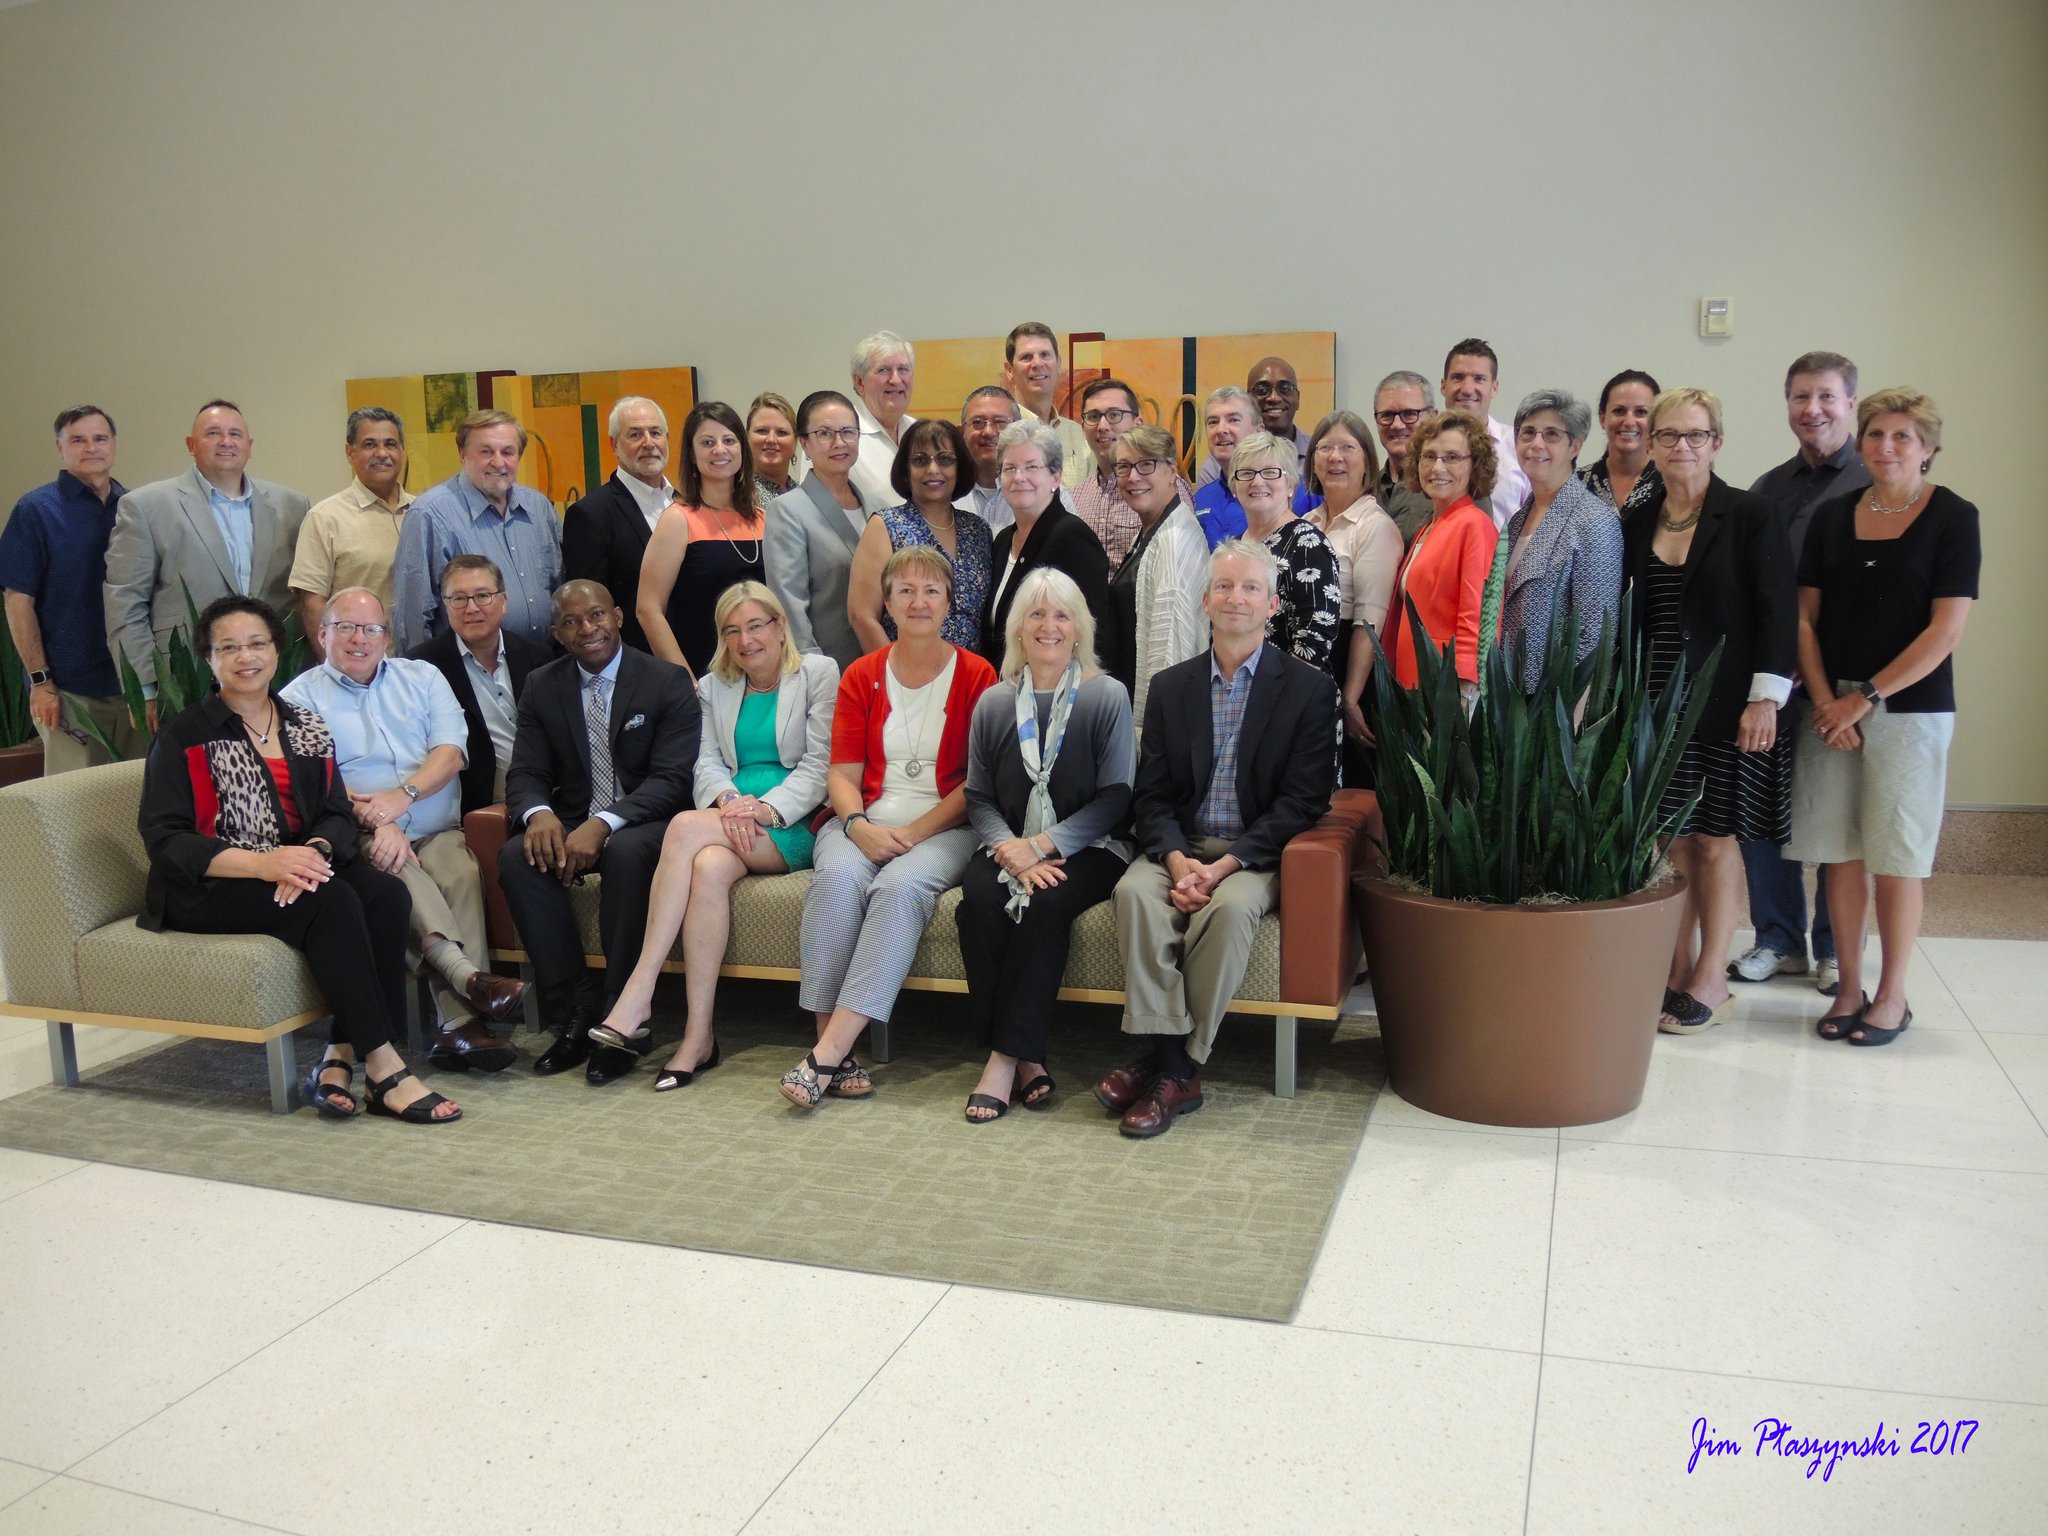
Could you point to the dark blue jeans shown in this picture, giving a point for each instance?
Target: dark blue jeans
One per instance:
(1777, 902)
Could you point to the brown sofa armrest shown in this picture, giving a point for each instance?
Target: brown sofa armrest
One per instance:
(485, 830)
(1318, 939)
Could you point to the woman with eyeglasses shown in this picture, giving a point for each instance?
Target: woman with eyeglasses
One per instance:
(1028, 460)
(249, 829)
(762, 756)
(1451, 460)
(814, 529)
(708, 538)
(1341, 469)
(1264, 474)
(1564, 543)
(933, 471)
(1624, 476)
(1158, 588)
(1709, 567)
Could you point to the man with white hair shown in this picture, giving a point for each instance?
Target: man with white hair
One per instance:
(1229, 415)
(1234, 762)
(604, 534)
(883, 366)
(400, 743)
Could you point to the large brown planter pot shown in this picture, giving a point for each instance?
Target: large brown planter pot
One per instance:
(1519, 1015)
(20, 764)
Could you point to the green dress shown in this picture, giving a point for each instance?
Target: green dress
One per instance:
(760, 770)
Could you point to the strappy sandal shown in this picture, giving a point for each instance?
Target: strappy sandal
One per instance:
(850, 1080)
(419, 1112)
(322, 1095)
(805, 1085)
(1874, 1035)
(1037, 1094)
(1836, 1026)
(985, 1101)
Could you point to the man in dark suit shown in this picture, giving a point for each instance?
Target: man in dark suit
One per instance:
(604, 755)
(605, 534)
(486, 666)
(1235, 762)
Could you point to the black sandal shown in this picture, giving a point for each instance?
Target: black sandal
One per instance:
(419, 1112)
(1836, 1026)
(1874, 1035)
(322, 1095)
(1037, 1094)
(986, 1101)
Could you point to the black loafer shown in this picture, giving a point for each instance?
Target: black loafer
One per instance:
(609, 1063)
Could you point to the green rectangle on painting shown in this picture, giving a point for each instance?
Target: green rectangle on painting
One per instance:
(450, 397)
(593, 465)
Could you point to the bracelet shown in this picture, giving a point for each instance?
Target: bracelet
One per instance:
(846, 822)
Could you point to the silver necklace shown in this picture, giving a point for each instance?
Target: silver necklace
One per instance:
(745, 559)
(915, 767)
(1884, 511)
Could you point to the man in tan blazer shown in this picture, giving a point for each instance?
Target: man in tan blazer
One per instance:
(210, 531)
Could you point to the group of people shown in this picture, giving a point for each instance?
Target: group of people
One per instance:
(1020, 654)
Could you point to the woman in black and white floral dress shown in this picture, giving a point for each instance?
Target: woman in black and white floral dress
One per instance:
(1264, 472)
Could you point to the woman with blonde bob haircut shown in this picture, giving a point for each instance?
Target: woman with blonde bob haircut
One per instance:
(1050, 759)
(761, 763)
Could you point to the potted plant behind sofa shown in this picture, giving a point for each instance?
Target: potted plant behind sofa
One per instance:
(21, 749)
(1520, 934)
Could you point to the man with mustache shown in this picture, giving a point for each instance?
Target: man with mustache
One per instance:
(351, 538)
(605, 534)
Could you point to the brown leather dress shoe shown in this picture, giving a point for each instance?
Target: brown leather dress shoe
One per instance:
(469, 1047)
(1121, 1087)
(497, 998)
(1168, 1100)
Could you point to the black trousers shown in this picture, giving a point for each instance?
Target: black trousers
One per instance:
(1014, 969)
(540, 906)
(352, 931)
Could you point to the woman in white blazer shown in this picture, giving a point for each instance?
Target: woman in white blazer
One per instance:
(763, 752)
(1158, 589)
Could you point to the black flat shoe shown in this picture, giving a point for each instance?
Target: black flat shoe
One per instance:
(419, 1112)
(681, 1077)
(1872, 1035)
(1836, 1026)
(986, 1101)
(321, 1095)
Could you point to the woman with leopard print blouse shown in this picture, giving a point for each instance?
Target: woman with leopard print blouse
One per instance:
(249, 830)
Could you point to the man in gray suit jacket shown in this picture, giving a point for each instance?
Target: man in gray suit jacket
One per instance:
(208, 532)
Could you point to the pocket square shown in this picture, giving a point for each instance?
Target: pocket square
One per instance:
(636, 720)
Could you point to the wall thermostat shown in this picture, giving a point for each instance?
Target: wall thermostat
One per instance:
(1717, 317)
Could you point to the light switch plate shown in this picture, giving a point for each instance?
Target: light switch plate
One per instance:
(1717, 317)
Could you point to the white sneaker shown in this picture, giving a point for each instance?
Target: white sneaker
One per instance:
(1828, 977)
(1763, 962)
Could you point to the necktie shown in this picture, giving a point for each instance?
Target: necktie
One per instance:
(596, 720)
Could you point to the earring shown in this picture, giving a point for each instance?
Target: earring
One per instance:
(1926, 464)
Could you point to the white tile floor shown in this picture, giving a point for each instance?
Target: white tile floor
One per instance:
(1506, 1331)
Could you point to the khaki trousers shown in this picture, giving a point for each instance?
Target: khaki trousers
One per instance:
(448, 899)
(1181, 969)
(63, 752)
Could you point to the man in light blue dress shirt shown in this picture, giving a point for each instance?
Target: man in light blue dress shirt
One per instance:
(400, 742)
(483, 510)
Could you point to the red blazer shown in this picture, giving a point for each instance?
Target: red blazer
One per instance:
(863, 706)
(1445, 571)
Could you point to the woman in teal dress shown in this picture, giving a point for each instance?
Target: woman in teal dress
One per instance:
(762, 754)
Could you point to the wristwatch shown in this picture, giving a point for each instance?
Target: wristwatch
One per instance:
(1870, 694)
(412, 790)
(37, 679)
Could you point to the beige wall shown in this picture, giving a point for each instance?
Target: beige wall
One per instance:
(261, 198)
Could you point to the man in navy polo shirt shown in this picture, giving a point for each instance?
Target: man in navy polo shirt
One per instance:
(53, 558)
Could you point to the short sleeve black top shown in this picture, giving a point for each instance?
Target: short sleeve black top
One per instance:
(1877, 595)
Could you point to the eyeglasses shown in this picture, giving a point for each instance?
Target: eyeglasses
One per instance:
(1125, 470)
(472, 599)
(1325, 449)
(750, 629)
(1670, 437)
(1550, 435)
(1270, 472)
(229, 650)
(1406, 418)
(987, 423)
(927, 460)
(834, 434)
(345, 629)
(1111, 414)
(1264, 388)
(1019, 471)
(1433, 456)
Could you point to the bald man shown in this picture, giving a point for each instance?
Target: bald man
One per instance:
(602, 757)
(1275, 389)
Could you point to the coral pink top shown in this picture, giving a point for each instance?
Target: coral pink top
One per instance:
(1445, 571)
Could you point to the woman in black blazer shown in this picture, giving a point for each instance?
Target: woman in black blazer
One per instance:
(1028, 460)
(1708, 565)
(249, 830)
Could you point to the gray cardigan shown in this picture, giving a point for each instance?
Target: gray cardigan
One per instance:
(1573, 557)
(803, 736)
(1091, 778)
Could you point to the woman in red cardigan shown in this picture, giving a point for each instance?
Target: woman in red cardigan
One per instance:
(1451, 460)
(897, 838)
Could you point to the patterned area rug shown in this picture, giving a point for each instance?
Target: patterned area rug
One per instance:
(1224, 1214)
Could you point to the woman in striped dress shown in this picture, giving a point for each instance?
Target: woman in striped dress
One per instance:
(1710, 567)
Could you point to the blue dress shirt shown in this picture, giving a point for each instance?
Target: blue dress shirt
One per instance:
(384, 729)
(455, 518)
(237, 518)
(54, 552)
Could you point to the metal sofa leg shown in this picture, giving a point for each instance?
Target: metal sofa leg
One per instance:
(878, 1039)
(282, 1059)
(1283, 1056)
(63, 1054)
